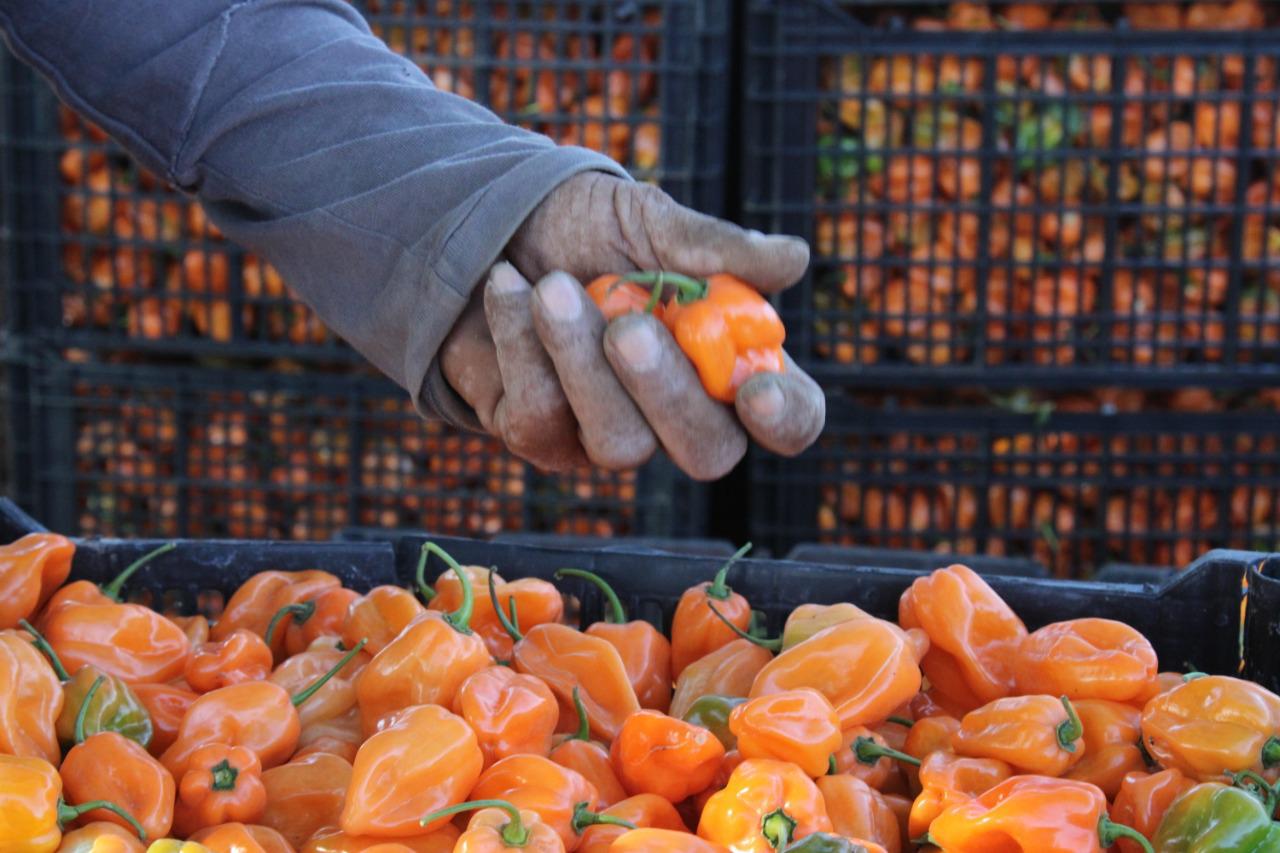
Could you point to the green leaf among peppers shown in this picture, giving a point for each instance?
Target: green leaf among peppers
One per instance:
(1215, 818)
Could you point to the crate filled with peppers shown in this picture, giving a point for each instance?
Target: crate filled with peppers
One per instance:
(1023, 192)
(181, 697)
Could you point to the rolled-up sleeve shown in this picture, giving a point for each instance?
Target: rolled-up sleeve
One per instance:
(381, 199)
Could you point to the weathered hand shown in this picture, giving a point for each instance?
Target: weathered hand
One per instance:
(561, 388)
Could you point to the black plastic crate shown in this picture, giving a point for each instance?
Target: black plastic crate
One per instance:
(919, 561)
(1087, 203)
(1072, 490)
(169, 451)
(110, 258)
(691, 546)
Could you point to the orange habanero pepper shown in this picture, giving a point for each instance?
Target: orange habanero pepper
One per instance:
(1213, 725)
(101, 837)
(166, 705)
(1163, 683)
(500, 827)
(269, 596)
(1112, 730)
(663, 841)
(696, 629)
(615, 297)
(334, 840)
(1086, 659)
(129, 641)
(223, 784)
(31, 701)
(799, 726)
(643, 811)
(380, 615)
(511, 714)
(864, 755)
(242, 838)
(764, 807)
(947, 779)
(421, 759)
(536, 601)
(657, 754)
(1034, 734)
(305, 795)
(1143, 801)
(1036, 814)
(859, 811)
(580, 753)
(242, 656)
(540, 785)
(337, 696)
(31, 568)
(326, 616)
(974, 636)
(728, 671)
(88, 592)
(32, 811)
(195, 627)
(645, 652)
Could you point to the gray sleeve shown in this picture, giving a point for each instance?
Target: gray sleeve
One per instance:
(381, 199)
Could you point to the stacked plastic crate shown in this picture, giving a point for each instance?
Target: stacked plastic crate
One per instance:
(1046, 284)
(172, 384)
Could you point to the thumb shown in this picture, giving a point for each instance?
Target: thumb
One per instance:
(695, 244)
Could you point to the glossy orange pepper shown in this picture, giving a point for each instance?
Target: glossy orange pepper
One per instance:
(166, 705)
(31, 701)
(553, 792)
(1163, 683)
(645, 652)
(1213, 725)
(101, 837)
(1086, 659)
(728, 671)
(129, 641)
(643, 811)
(1036, 814)
(764, 807)
(580, 753)
(930, 734)
(511, 714)
(242, 838)
(615, 297)
(31, 568)
(536, 601)
(223, 784)
(421, 759)
(1112, 730)
(500, 827)
(947, 779)
(327, 618)
(974, 636)
(799, 726)
(242, 656)
(263, 597)
(340, 736)
(426, 663)
(337, 696)
(87, 592)
(863, 754)
(808, 619)
(865, 668)
(1034, 734)
(379, 616)
(334, 840)
(859, 811)
(32, 811)
(663, 841)
(1143, 801)
(657, 754)
(696, 630)
(195, 627)
(305, 795)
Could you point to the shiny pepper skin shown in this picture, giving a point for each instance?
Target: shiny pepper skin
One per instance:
(808, 619)
(257, 715)
(946, 780)
(878, 771)
(1112, 730)
(1034, 734)
(241, 838)
(101, 837)
(1212, 817)
(859, 811)
(165, 705)
(511, 714)
(305, 795)
(336, 697)
(1215, 724)
(712, 713)
(696, 631)
(327, 619)
(580, 753)
(260, 598)
(114, 707)
(336, 841)
(1143, 800)
(728, 671)
(242, 656)
(643, 811)
(31, 568)
(864, 668)
(663, 841)
(223, 784)
(657, 754)
(421, 759)
(823, 842)
(930, 734)
(549, 790)
(799, 726)
(487, 828)
(32, 812)
(379, 616)
(195, 627)
(129, 641)
(30, 702)
(1086, 659)
(974, 636)
(615, 298)
(108, 766)
(764, 807)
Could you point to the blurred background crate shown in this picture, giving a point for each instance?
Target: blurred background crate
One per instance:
(1030, 193)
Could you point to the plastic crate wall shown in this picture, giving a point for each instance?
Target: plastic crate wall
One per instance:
(1088, 201)
(111, 258)
(161, 451)
(1072, 489)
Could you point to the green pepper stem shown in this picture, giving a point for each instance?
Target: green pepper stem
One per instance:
(514, 833)
(112, 590)
(300, 613)
(774, 645)
(511, 626)
(583, 817)
(420, 576)
(324, 679)
(82, 712)
(925, 840)
(1257, 785)
(1109, 832)
(1071, 729)
(617, 613)
(43, 646)
(460, 619)
(832, 766)
(1192, 676)
(719, 590)
(901, 721)
(584, 722)
(688, 289)
(66, 814)
(1271, 752)
(868, 752)
(777, 827)
(224, 776)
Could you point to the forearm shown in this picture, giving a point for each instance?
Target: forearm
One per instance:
(381, 199)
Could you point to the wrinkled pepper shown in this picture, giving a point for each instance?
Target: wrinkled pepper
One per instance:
(334, 840)
(31, 568)
(555, 793)
(195, 627)
(1112, 730)
(380, 615)
(337, 696)
(929, 735)
(1217, 818)
(101, 837)
(712, 713)
(1214, 725)
(1143, 801)
(129, 641)
(1086, 659)
(946, 780)
(88, 592)
(765, 806)
(1033, 734)
(799, 726)
(643, 811)
(645, 652)
(32, 811)
(327, 617)
(696, 630)
(859, 811)
(305, 795)
(615, 297)
(808, 619)
(728, 671)
(264, 597)
(864, 755)
(242, 656)
(223, 784)
(31, 701)
(165, 705)
(537, 601)
(500, 827)
(242, 838)
(510, 713)
(657, 754)
(579, 752)
(663, 841)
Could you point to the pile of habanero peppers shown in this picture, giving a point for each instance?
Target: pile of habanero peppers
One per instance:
(467, 716)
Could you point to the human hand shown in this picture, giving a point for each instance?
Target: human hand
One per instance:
(561, 388)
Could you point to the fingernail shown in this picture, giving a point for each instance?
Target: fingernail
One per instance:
(559, 295)
(767, 403)
(638, 346)
(504, 278)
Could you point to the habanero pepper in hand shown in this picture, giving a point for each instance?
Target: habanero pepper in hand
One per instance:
(697, 630)
(657, 754)
(1213, 725)
(31, 568)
